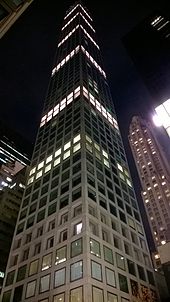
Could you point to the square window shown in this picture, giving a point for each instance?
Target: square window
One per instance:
(46, 262)
(60, 276)
(108, 254)
(76, 270)
(120, 261)
(63, 236)
(59, 298)
(78, 228)
(96, 270)
(30, 291)
(44, 283)
(95, 247)
(66, 154)
(76, 247)
(97, 294)
(33, 268)
(61, 255)
(111, 298)
(123, 283)
(110, 277)
(76, 295)
(76, 139)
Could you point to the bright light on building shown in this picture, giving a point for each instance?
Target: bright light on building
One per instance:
(162, 116)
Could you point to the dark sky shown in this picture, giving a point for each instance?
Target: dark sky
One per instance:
(27, 51)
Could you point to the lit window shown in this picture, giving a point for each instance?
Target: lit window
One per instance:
(32, 171)
(106, 163)
(119, 167)
(76, 147)
(97, 294)
(88, 139)
(105, 153)
(41, 165)
(66, 154)
(66, 146)
(49, 158)
(46, 262)
(30, 180)
(97, 146)
(78, 228)
(59, 298)
(76, 138)
(39, 174)
(33, 268)
(128, 182)
(57, 161)
(89, 147)
(76, 295)
(47, 168)
(58, 152)
(61, 255)
(95, 247)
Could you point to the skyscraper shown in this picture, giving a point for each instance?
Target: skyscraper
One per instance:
(154, 174)
(148, 45)
(10, 201)
(79, 236)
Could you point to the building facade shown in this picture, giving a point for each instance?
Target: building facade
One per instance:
(10, 201)
(79, 235)
(154, 173)
(15, 154)
(148, 45)
(10, 11)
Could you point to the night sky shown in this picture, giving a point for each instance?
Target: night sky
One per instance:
(27, 51)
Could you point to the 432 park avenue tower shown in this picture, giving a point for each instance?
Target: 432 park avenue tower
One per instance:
(79, 235)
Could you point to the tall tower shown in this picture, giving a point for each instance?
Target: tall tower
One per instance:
(79, 236)
(154, 174)
(148, 45)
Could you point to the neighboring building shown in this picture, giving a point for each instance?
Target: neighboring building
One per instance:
(154, 173)
(162, 116)
(10, 201)
(15, 154)
(165, 260)
(148, 45)
(79, 235)
(10, 11)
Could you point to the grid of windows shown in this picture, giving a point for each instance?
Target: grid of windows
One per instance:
(79, 217)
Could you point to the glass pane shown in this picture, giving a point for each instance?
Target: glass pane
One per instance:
(110, 277)
(108, 254)
(123, 283)
(97, 295)
(95, 247)
(61, 255)
(76, 295)
(77, 270)
(111, 298)
(59, 298)
(30, 289)
(76, 247)
(96, 270)
(120, 261)
(60, 277)
(46, 262)
(44, 283)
